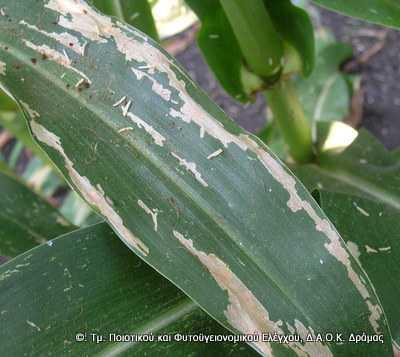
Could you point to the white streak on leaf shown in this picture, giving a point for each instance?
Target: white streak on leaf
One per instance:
(152, 212)
(2, 68)
(66, 55)
(244, 311)
(215, 154)
(79, 83)
(123, 130)
(64, 38)
(370, 250)
(125, 108)
(156, 86)
(190, 167)
(92, 195)
(55, 56)
(30, 323)
(361, 210)
(119, 102)
(157, 137)
(385, 249)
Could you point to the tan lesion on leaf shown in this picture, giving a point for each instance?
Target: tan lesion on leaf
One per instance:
(80, 17)
(354, 249)
(94, 196)
(334, 245)
(2, 68)
(76, 15)
(244, 311)
(157, 87)
(65, 38)
(60, 58)
(190, 167)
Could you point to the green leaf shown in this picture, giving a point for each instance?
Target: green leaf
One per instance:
(134, 12)
(326, 94)
(383, 12)
(353, 163)
(257, 37)
(220, 47)
(371, 230)
(26, 219)
(358, 184)
(6, 103)
(87, 282)
(294, 25)
(192, 194)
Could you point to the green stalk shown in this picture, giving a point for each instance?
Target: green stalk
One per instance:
(289, 115)
(261, 45)
(263, 49)
(134, 12)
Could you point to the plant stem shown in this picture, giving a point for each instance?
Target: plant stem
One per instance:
(261, 45)
(289, 115)
(134, 12)
(263, 49)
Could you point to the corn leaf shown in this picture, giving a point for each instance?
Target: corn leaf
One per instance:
(385, 12)
(100, 294)
(26, 219)
(196, 197)
(371, 231)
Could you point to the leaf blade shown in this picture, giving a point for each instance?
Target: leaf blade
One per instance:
(220, 47)
(26, 219)
(372, 233)
(78, 272)
(186, 209)
(294, 25)
(385, 13)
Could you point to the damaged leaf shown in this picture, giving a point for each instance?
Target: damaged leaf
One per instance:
(372, 232)
(237, 232)
(94, 277)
